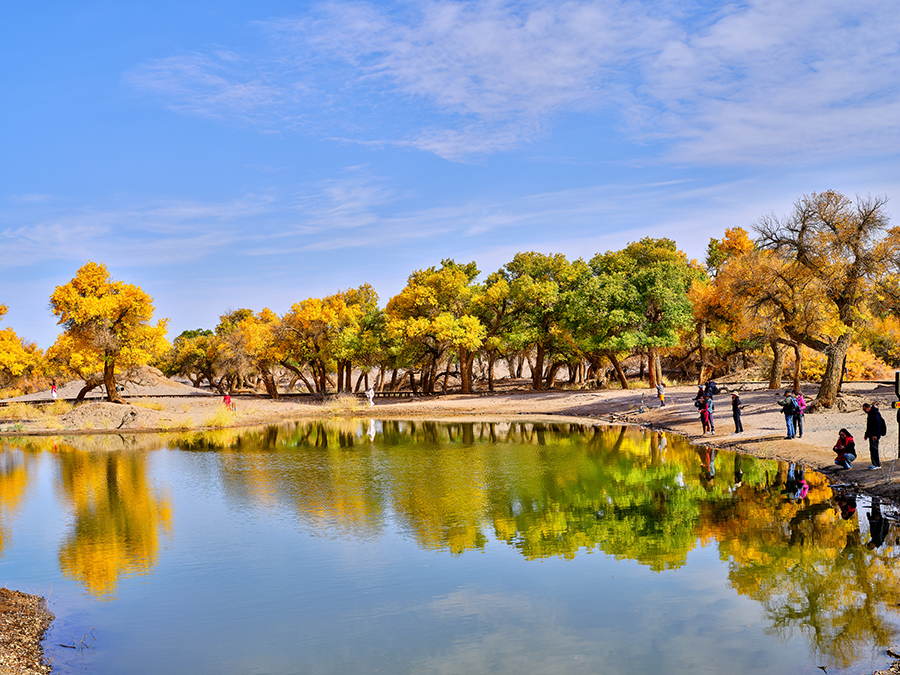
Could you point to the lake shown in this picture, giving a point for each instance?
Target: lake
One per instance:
(395, 547)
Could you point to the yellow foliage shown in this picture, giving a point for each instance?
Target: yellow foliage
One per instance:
(107, 323)
(17, 358)
(861, 365)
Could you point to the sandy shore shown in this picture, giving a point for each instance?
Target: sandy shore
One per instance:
(764, 426)
(23, 621)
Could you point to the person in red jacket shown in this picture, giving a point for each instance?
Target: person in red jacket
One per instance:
(845, 449)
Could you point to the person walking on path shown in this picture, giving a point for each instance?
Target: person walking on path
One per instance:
(661, 393)
(875, 429)
(788, 407)
(798, 415)
(736, 413)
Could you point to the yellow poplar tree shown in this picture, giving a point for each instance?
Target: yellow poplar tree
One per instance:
(435, 313)
(107, 324)
(17, 358)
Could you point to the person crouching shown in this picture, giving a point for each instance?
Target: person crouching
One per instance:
(845, 449)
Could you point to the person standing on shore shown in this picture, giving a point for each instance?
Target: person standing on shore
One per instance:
(788, 407)
(736, 413)
(702, 404)
(875, 429)
(661, 392)
(709, 391)
(800, 412)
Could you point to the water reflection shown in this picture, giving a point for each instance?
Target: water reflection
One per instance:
(118, 518)
(816, 567)
(14, 471)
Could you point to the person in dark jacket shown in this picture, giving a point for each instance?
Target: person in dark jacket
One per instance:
(875, 429)
(736, 413)
(878, 525)
(788, 407)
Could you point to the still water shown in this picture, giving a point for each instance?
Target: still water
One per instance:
(392, 547)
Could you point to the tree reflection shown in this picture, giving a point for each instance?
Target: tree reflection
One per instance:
(560, 489)
(118, 517)
(547, 490)
(15, 467)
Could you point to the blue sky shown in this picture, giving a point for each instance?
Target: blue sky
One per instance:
(236, 154)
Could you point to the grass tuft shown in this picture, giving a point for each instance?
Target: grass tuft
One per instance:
(342, 404)
(223, 417)
(149, 405)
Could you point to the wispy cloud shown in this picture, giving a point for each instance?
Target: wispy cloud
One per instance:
(762, 81)
(773, 80)
(154, 233)
(218, 84)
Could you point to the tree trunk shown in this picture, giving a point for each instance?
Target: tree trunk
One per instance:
(796, 367)
(490, 373)
(551, 374)
(90, 383)
(831, 379)
(109, 379)
(466, 359)
(537, 370)
(777, 364)
(620, 374)
(300, 375)
(651, 366)
(269, 383)
(360, 379)
(701, 339)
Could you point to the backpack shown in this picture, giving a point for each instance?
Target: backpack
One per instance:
(882, 426)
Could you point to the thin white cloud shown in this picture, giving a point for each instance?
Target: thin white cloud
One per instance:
(220, 84)
(145, 234)
(770, 81)
(760, 82)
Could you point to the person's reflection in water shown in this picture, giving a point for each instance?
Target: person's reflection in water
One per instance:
(738, 470)
(795, 486)
(846, 505)
(878, 525)
(707, 466)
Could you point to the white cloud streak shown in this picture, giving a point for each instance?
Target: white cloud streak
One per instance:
(761, 82)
